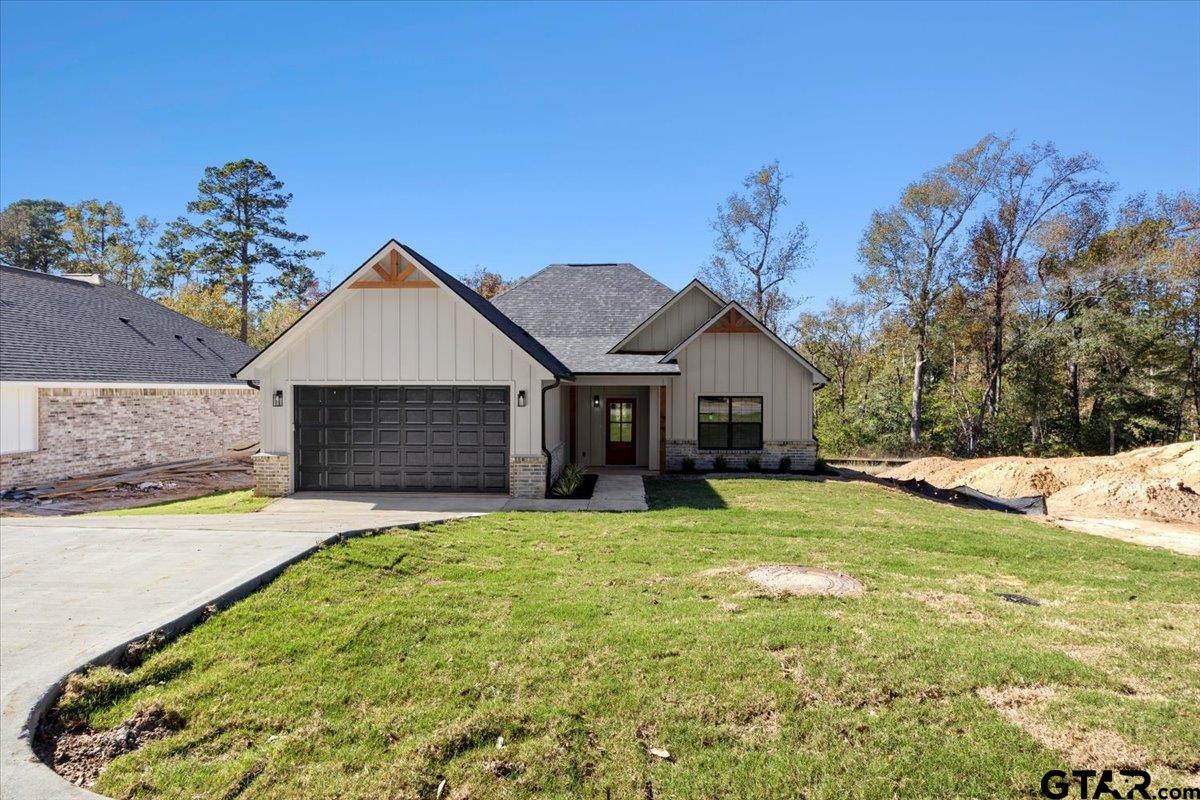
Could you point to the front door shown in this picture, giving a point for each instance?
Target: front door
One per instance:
(618, 433)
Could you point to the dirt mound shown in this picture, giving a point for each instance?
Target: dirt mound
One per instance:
(1119, 496)
(1158, 483)
(81, 755)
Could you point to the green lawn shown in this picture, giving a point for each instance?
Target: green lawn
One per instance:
(380, 667)
(236, 502)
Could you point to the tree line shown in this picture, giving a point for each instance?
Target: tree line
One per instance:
(1009, 303)
(230, 262)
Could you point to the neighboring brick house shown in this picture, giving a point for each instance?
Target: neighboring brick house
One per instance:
(404, 379)
(95, 377)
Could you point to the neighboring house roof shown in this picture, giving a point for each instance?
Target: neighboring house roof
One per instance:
(818, 376)
(83, 328)
(506, 326)
(580, 311)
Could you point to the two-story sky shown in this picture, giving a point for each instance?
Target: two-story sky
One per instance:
(512, 136)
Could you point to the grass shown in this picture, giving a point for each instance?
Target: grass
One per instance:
(236, 502)
(383, 666)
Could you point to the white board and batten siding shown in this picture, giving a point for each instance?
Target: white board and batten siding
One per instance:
(675, 323)
(409, 336)
(742, 364)
(18, 418)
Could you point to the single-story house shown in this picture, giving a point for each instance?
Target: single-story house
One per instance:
(95, 377)
(404, 379)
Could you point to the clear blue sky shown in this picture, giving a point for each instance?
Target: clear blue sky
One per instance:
(513, 136)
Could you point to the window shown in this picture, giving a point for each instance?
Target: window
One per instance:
(730, 423)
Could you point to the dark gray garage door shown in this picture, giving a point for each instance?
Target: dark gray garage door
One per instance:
(402, 438)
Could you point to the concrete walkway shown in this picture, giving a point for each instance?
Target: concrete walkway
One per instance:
(74, 588)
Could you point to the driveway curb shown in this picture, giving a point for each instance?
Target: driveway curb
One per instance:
(49, 783)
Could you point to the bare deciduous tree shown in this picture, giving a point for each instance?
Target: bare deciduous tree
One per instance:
(911, 252)
(836, 337)
(1031, 188)
(755, 257)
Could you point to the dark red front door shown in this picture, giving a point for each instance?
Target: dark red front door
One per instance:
(618, 433)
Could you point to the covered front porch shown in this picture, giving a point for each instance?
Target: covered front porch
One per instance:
(615, 422)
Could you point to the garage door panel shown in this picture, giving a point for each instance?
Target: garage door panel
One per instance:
(402, 438)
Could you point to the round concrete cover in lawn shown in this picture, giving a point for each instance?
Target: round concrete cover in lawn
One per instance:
(795, 579)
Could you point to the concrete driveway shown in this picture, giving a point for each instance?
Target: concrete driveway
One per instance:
(74, 588)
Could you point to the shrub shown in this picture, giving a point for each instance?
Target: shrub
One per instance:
(785, 464)
(720, 464)
(753, 463)
(689, 464)
(819, 466)
(569, 482)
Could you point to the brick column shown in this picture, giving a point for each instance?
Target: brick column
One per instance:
(527, 476)
(270, 474)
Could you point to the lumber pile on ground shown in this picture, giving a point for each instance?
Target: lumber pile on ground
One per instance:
(192, 477)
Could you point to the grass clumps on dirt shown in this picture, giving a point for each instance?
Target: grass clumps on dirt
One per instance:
(588, 654)
(237, 502)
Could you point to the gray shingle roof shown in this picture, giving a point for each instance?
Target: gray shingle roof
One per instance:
(69, 329)
(579, 311)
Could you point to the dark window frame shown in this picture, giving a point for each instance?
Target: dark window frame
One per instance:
(762, 405)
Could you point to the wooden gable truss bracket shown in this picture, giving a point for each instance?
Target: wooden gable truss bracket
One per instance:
(392, 276)
(733, 322)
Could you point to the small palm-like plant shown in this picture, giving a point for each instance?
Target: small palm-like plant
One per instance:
(569, 482)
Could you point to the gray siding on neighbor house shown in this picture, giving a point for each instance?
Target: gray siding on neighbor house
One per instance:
(742, 364)
(675, 324)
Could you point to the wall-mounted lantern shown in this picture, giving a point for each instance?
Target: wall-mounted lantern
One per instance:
(277, 398)
(521, 399)
(595, 401)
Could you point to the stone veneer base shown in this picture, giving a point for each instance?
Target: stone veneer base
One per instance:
(527, 476)
(803, 455)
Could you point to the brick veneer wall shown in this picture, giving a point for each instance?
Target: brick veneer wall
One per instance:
(271, 474)
(81, 431)
(803, 455)
(527, 476)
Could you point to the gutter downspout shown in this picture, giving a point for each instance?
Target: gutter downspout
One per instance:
(546, 452)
